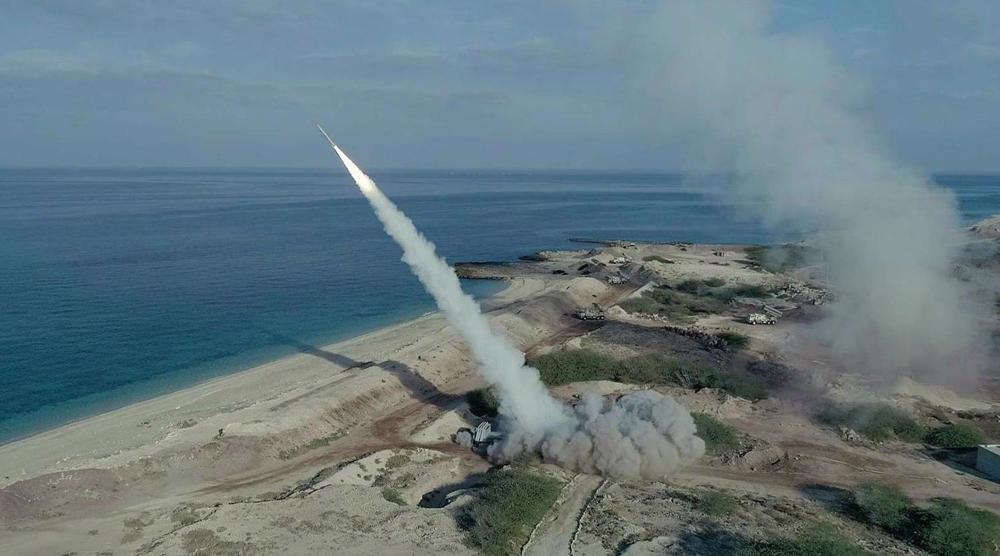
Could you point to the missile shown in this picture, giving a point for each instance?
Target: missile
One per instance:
(365, 184)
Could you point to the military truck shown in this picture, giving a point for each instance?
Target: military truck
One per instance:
(594, 312)
(760, 318)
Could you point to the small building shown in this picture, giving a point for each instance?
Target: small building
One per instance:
(615, 279)
(988, 460)
(621, 259)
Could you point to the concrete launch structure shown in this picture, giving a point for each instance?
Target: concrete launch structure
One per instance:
(988, 460)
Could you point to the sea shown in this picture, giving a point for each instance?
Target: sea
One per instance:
(120, 285)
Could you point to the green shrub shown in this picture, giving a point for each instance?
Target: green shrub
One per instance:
(716, 504)
(949, 527)
(747, 387)
(772, 373)
(397, 460)
(510, 504)
(748, 290)
(657, 369)
(643, 305)
(735, 339)
(482, 402)
(689, 286)
(875, 421)
(705, 305)
(960, 435)
(946, 527)
(573, 365)
(662, 295)
(719, 437)
(724, 295)
(674, 304)
(393, 495)
(778, 258)
(576, 365)
(679, 299)
(818, 540)
(657, 258)
(687, 375)
(646, 369)
(883, 505)
(715, 282)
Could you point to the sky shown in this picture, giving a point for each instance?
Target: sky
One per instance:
(543, 84)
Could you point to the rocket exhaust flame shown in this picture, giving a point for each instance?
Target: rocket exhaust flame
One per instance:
(639, 435)
(364, 182)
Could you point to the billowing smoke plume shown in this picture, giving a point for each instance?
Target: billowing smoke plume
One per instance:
(639, 435)
(642, 434)
(778, 111)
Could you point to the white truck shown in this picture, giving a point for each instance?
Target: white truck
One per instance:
(760, 318)
(591, 313)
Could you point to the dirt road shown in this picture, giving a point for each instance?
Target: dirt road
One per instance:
(554, 534)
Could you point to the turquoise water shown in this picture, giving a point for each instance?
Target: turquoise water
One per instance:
(119, 285)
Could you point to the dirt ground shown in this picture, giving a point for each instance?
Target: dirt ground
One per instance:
(347, 448)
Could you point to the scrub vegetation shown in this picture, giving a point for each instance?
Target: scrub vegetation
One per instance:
(686, 300)
(719, 437)
(393, 495)
(574, 365)
(943, 527)
(959, 435)
(674, 303)
(509, 505)
(876, 422)
(778, 258)
(880, 422)
(716, 504)
(735, 339)
(482, 402)
(817, 540)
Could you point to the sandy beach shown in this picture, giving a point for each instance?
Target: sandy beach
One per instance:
(348, 448)
(260, 428)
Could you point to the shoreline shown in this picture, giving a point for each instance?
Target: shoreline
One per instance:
(270, 413)
(198, 388)
(161, 387)
(339, 445)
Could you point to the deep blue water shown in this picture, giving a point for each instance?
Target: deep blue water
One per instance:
(118, 285)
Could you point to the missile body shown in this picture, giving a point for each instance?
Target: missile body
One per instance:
(365, 184)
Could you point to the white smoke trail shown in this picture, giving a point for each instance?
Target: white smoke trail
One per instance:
(522, 394)
(640, 435)
(777, 110)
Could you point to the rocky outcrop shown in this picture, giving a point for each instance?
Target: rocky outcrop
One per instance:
(988, 228)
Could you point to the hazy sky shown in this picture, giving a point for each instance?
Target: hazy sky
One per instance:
(518, 84)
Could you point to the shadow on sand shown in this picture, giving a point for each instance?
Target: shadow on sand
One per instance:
(421, 388)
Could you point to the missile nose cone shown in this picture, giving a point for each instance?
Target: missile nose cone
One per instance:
(365, 184)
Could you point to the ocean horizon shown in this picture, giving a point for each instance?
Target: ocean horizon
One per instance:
(122, 284)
